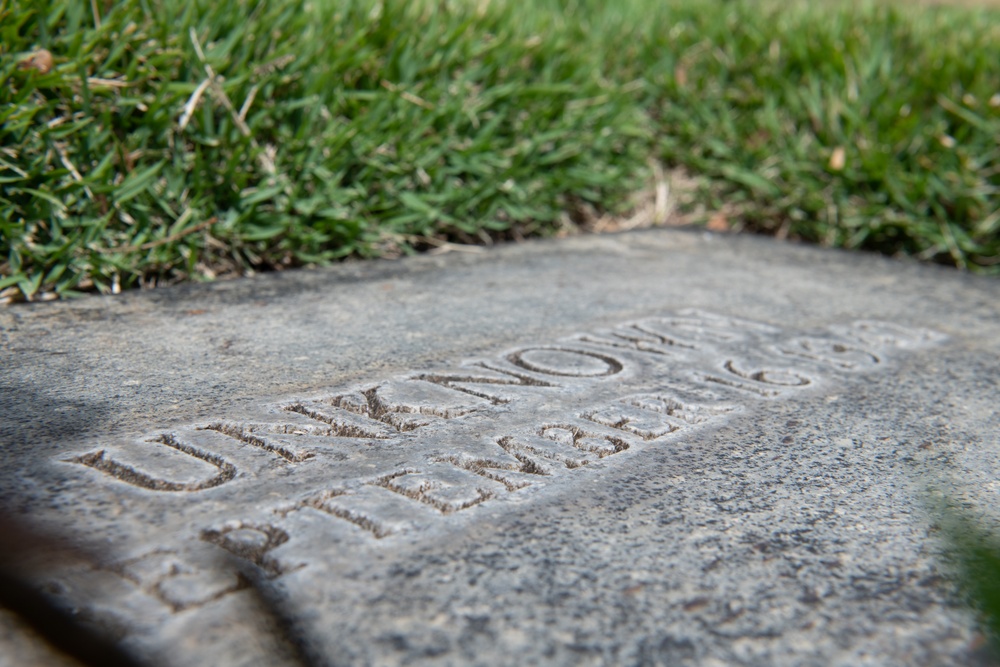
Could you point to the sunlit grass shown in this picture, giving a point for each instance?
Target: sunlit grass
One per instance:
(177, 140)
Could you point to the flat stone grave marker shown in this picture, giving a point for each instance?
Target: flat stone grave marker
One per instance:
(654, 448)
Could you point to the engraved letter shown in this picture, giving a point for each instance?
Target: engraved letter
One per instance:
(565, 362)
(444, 487)
(651, 416)
(472, 382)
(250, 541)
(99, 460)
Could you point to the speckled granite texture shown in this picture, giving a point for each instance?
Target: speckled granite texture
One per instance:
(657, 448)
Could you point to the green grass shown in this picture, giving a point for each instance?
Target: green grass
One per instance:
(178, 140)
(973, 557)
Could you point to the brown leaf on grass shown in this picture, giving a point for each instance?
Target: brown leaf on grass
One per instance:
(40, 60)
(718, 223)
(838, 159)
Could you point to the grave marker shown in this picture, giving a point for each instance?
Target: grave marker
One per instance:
(610, 450)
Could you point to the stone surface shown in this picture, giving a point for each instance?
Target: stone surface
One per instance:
(658, 448)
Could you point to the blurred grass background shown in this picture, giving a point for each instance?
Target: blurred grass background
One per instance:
(170, 140)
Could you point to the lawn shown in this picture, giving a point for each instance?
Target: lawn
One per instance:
(168, 140)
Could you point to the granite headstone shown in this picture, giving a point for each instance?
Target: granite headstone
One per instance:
(654, 448)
